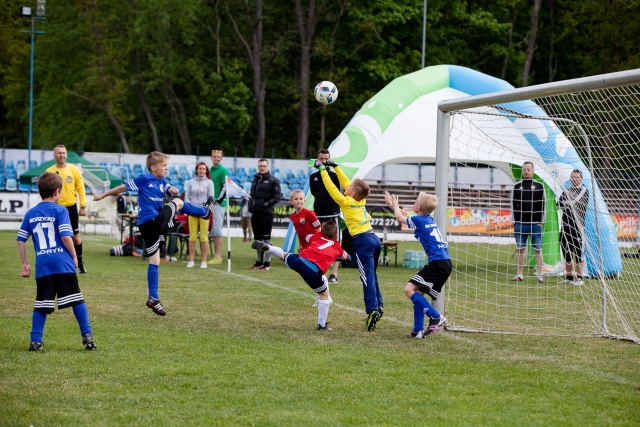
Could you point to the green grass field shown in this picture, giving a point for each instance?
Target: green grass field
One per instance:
(240, 349)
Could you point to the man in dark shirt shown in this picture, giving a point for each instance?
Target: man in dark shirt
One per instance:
(573, 202)
(528, 210)
(265, 194)
(325, 208)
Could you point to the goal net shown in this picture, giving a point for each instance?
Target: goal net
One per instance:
(589, 125)
(102, 221)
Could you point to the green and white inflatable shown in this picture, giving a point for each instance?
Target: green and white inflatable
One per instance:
(399, 124)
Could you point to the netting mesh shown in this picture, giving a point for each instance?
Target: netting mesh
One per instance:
(101, 222)
(596, 132)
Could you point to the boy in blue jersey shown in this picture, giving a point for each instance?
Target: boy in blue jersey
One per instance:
(153, 217)
(56, 262)
(433, 276)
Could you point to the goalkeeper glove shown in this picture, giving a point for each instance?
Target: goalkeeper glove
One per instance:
(314, 163)
(330, 163)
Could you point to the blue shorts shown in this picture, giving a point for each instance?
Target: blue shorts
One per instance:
(309, 272)
(523, 231)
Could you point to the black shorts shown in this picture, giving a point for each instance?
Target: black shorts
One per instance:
(432, 277)
(153, 231)
(571, 244)
(262, 225)
(63, 287)
(73, 218)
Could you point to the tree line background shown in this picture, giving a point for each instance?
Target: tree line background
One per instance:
(182, 76)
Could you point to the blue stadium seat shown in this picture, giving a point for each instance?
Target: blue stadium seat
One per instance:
(253, 171)
(33, 164)
(116, 171)
(87, 189)
(3, 181)
(23, 188)
(11, 174)
(21, 167)
(246, 186)
(241, 172)
(11, 184)
(34, 188)
(301, 174)
(286, 191)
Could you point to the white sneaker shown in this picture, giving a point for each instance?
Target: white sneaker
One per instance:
(566, 282)
(190, 264)
(203, 264)
(579, 282)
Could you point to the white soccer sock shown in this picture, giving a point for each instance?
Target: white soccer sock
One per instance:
(323, 311)
(275, 251)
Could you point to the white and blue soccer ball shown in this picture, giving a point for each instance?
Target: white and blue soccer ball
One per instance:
(325, 92)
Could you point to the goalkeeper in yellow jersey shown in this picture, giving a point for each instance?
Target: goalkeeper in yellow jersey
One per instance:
(72, 188)
(366, 244)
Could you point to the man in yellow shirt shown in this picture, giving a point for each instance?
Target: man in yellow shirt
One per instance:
(72, 187)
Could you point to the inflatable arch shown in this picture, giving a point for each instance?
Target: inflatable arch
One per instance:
(399, 123)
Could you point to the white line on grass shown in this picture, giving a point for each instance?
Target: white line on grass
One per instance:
(449, 335)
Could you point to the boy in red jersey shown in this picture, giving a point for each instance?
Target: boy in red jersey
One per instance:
(304, 220)
(312, 263)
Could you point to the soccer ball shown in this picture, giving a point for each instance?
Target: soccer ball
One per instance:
(325, 92)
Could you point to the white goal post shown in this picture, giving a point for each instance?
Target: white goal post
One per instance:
(589, 124)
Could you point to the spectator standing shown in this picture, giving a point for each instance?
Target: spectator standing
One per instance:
(72, 189)
(573, 202)
(245, 220)
(528, 210)
(324, 206)
(219, 177)
(197, 191)
(265, 194)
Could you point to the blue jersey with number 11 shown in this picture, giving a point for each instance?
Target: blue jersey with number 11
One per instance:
(427, 233)
(47, 222)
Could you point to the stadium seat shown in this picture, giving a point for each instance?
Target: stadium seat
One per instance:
(21, 167)
(87, 189)
(3, 181)
(116, 171)
(286, 191)
(11, 174)
(12, 184)
(246, 186)
(241, 172)
(301, 174)
(253, 171)
(34, 188)
(33, 164)
(23, 188)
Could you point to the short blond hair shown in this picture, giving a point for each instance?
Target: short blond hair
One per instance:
(360, 189)
(427, 202)
(154, 158)
(295, 192)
